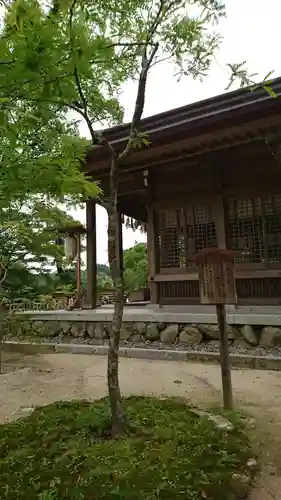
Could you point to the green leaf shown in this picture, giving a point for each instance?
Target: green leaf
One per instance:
(270, 91)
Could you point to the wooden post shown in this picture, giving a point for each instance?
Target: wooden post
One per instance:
(78, 266)
(217, 286)
(224, 358)
(151, 239)
(218, 211)
(91, 254)
(151, 254)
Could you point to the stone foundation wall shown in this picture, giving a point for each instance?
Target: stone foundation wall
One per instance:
(245, 336)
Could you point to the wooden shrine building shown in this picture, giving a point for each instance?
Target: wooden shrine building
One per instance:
(210, 177)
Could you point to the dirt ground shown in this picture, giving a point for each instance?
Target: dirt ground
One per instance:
(30, 381)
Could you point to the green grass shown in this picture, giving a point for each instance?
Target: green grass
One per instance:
(58, 453)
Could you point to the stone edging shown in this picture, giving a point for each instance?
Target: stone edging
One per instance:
(237, 360)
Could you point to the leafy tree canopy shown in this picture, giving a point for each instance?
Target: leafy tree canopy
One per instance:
(73, 56)
(135, 267)
(29, 238)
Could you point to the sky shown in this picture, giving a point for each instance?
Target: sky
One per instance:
(250, 33)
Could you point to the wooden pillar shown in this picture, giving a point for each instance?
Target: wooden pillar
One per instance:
(152, 248)
(91, 254)
(218, 211)
(152, 254)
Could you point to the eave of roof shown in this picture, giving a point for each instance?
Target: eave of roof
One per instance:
(194, 116)
(201, 109)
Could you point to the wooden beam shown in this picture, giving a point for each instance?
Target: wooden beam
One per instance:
(197, 145)
(91, 254)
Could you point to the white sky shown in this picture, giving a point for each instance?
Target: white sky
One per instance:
(251, 32)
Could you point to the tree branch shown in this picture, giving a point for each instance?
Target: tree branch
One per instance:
(96, 138)
(3, 272)
(146, 65)
(157, 19)
(8, 62)
(128, 44)
(140, 100)
(76, 74)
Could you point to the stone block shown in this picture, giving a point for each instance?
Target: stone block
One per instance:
(25, 328)
(106, 328)
(51, 329)
(106, 334)
(249, 335)
(170, 334)
(211, 332)
(161, 326)
(65, 327)
(30, 348)
(91, 330)
(152, 332)
(271, 363)
(81, 349)
(100, 331)
(78, 329)
(140, 328)
(37, 326)
(38, 329)
(127, 330)
(190, 335)
(270, 336)
(233, 332)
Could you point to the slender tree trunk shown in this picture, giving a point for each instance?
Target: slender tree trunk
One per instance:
(1, 345)
(118, 415)
(3, 318)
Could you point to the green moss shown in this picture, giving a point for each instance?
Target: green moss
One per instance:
(59, 452)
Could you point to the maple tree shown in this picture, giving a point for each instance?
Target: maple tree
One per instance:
(69, 59)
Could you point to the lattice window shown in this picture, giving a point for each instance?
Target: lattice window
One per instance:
(171, 239)
(254, 228)
(182, 233)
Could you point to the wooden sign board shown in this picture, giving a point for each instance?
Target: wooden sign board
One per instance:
(216, 276)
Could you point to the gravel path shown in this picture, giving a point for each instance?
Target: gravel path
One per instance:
(37, 380)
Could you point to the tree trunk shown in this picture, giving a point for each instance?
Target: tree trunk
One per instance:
(3, 318)
(118, 415)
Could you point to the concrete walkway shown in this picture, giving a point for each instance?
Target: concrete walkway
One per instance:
(36, 380)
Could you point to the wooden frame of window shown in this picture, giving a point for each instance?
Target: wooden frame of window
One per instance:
(253, 226)
(181, 233)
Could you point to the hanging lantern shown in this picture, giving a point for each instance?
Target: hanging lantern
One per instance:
(70, 247)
